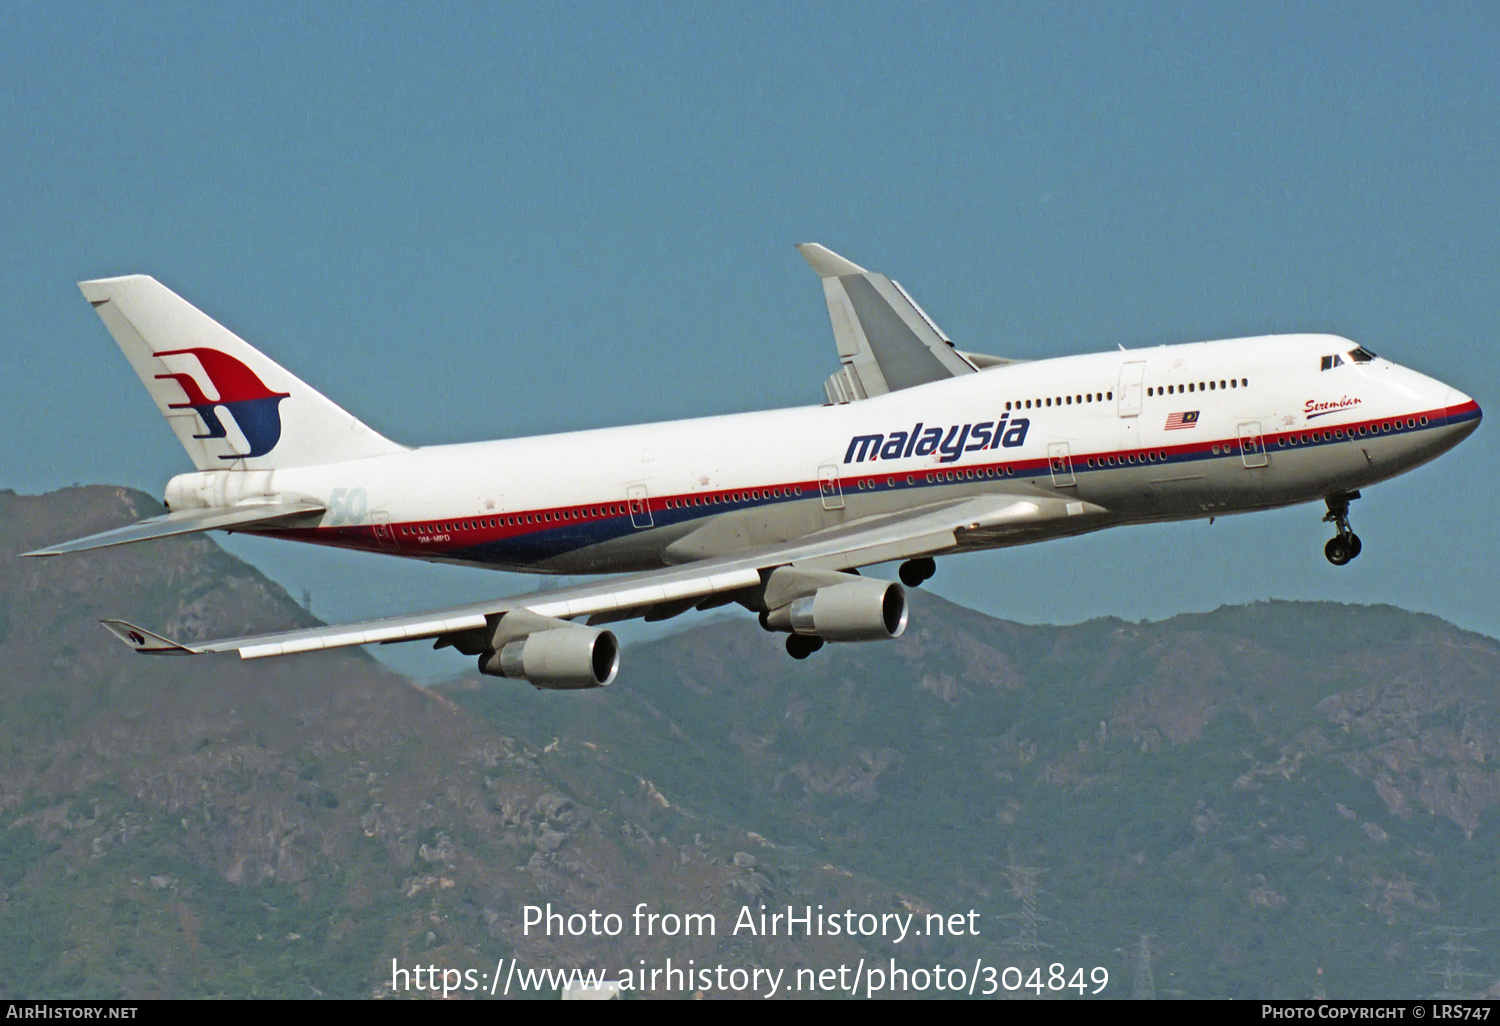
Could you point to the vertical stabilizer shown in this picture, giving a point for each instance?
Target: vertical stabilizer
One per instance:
(231, 406)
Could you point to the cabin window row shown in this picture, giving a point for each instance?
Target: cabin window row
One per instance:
(1307, 437)
(1198, 386)
(750, 496)
(1129, 459)
(936, 476)
(515, 521)
(1062, 400)
(597, 511)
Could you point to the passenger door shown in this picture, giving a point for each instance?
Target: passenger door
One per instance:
(380, 524)
(1252, 445)
(829, 489)
(1132, 388)
(1061, 462)
(640, 506)
(1129, 394)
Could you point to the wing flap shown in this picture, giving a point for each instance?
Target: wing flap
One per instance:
(185, 521)
(376, 632)
(883, 552)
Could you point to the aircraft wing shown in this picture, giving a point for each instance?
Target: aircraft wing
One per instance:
(656, 594)
(886, 342)
(184, 521)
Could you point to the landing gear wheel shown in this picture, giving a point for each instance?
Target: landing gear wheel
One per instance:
(800, 646)
(914, 571)
(1346, 545)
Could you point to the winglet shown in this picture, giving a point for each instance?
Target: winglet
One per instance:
(826, 262)
(143, 641)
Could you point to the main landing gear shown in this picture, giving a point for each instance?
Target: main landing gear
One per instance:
(1345, 545)
(915, 571)
(800, 646)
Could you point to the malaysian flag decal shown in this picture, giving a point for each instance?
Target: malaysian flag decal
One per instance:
(1179, 421)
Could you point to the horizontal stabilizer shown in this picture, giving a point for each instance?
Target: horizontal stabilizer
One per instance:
(184, 521)
(143, 641)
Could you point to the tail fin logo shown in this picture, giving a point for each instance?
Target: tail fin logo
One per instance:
(253, 406)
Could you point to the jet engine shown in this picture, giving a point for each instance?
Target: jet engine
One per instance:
(555, 658)
(862, 610)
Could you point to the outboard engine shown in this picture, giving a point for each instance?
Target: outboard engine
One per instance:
(862, 610)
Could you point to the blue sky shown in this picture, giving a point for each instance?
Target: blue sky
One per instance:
(470, 221)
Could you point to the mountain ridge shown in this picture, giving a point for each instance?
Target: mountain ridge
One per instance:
(1284, 796)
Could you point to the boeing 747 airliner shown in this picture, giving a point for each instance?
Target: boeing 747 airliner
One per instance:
(921, 450)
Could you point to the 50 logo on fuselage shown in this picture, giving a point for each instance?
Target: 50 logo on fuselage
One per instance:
(948, 443)
(346, 506)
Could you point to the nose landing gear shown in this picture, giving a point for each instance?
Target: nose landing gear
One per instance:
(1346, 544)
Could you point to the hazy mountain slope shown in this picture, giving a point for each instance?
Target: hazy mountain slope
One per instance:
(207, 826)
(1265, 790)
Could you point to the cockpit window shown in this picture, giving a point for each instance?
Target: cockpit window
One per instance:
(1330, 362)
(1361, 355)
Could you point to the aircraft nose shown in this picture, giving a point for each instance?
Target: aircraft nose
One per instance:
(1458, 405)
(1462, 409)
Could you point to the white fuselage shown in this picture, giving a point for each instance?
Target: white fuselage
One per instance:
(1167, 433)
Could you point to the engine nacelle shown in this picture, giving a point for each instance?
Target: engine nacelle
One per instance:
(864, 610)
(565, 658)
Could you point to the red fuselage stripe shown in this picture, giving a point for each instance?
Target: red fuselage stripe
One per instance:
(450, 534)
